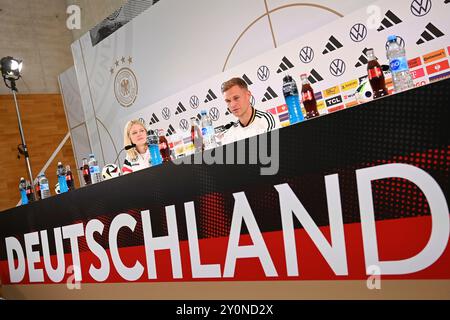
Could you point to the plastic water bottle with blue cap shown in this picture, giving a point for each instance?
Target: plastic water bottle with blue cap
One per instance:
(401, 77)
(43, 184)
(94, 169)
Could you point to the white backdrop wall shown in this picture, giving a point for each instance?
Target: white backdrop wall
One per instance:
(177, 53)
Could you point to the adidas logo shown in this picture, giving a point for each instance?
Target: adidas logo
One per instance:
(154, 119)
(247, 80)
(362, 60)
(389, 20)
(285, 65)
(180, 108)
(170, 131)
(210, 96)
(314, 76)
(430, 31)
(333, 44)
(269, 95)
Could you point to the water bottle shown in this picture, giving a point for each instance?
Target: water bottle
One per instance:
(291, 96)
(43, 184)
(23, 190)
(401, 77)
(153, 147)
(209, 140)
(94, 169)
(61, 174)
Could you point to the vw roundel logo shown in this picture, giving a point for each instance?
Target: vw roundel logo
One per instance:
(184, 125)
(263, 73)
(399, 40)
(306, 54)
(419, 8)
(165, 113)
(337, 67)
(194, 102)
(214, 114)
(358, 32)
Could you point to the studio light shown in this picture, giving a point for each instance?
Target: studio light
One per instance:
(10, 69)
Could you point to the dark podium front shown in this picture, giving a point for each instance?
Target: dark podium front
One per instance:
(321, 209)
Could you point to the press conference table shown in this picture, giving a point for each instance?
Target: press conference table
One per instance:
(227, 231)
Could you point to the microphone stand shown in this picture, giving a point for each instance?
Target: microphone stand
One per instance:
(24, 149)
(128, 147)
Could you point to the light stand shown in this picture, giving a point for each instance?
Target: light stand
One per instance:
(10, 69)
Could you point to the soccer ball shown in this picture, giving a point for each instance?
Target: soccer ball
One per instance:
(57, 189)
(110, 171)
(364, 92)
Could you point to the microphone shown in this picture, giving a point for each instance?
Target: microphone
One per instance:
(127, 147)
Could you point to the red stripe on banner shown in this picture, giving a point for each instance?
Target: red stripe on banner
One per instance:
(418, 73)
(437, 67)
(397, 240)
(333, 109)
(282, 108)
(414, 62)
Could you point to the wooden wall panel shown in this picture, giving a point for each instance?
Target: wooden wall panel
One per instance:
(44, 124)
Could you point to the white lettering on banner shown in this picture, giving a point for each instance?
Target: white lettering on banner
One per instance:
(73, 232)
(440, 227)
(32, 239)
(243, 212)
(16, 274)
(120, 221)
(170, 242)
(98, 274)
(198, 270)
(56, 275)
(22, 258)
(334, 254)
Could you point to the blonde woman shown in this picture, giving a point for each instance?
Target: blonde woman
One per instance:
(137, 158)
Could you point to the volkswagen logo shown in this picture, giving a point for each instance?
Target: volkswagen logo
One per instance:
(184, 125)
(263, 73)
(252, 101)
(306, 54)
(419, 8)
(214, 114)
(399, 40)
(194, 102)
(337, 67)
(358, 32)
(165, 113)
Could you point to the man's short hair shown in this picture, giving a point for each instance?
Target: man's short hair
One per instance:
(227, 85)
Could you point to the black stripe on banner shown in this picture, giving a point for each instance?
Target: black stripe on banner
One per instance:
(393, 17)
(316, 75)
(287, 62)
(269, 89)
(434, 30)
(427, 36)
(335, 42)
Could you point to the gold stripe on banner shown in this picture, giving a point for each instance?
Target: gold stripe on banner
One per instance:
(239, 290)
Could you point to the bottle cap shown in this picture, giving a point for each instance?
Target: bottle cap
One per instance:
(392, 38)
(59, 163)
(91, 155)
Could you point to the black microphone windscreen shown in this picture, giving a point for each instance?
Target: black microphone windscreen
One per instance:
(130, 146)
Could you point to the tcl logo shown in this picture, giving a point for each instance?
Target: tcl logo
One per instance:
(332, 101)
